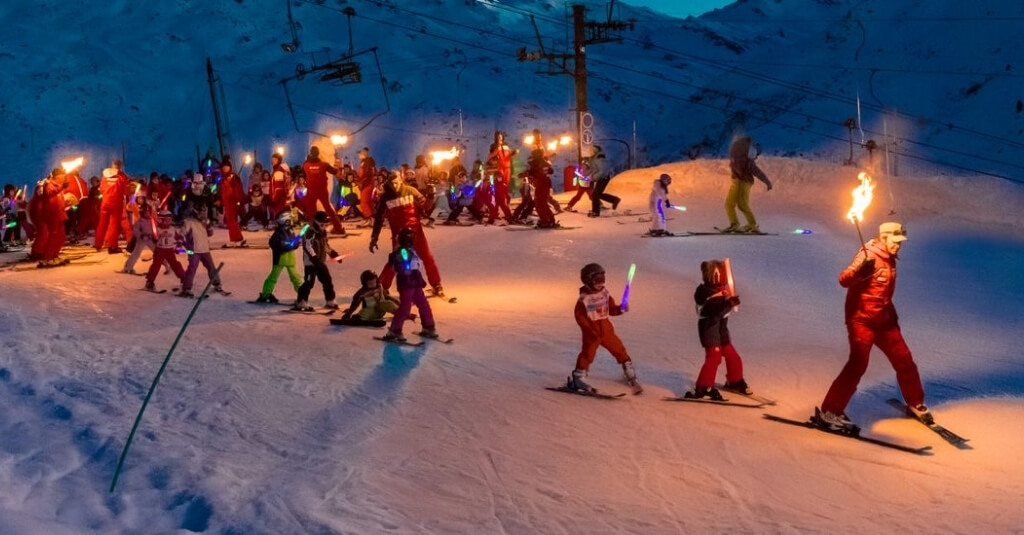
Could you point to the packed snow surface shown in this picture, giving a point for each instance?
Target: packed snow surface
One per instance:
(281, 423)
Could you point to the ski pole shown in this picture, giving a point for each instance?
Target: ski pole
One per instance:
(159, 373)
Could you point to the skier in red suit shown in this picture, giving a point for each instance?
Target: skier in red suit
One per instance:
(316, 189)
(540, 176)
(501, 154)
(280, 185)
(367, 174)
(871, 319)
(592, 311)
(46, 208)
(113, 191)
(399, 202)
(232, 195)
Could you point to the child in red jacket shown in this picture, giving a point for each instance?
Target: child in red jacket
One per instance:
(593, 308)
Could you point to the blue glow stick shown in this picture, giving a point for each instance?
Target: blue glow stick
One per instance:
(802, 231)
(676, 207)
(405, 258)
(629, 282)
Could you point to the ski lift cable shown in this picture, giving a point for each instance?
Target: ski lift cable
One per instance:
(799, 128)
(479, 47)
(716, 64)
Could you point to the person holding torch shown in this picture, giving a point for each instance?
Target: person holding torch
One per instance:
(871, 320)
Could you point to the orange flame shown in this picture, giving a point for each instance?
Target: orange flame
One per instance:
(862, 195)
(439, 156)
(71, 165)
(529, 140)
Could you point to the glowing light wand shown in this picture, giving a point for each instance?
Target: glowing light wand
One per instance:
(629, 283)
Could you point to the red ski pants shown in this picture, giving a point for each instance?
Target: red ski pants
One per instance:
(109, 227)
(309, 207)
(890, 340)
(602, 335)
(387, 274)
(712, 358)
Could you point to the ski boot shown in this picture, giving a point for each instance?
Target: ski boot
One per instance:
(627, 369)
(266, 298)
(839, 423)
(392, 336)
(739, 387)
(704, 392)
(429, 332)
(922, 413)
(575, 382)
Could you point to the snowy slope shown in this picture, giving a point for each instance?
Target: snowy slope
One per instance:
(276, 423)
(90, 77)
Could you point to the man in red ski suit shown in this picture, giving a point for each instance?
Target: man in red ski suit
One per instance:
(46, 208)
(502, 155)
(871, 319)
(113, 191)
(232, 195)
(367, 175)
(540, 176)
(399, 202)
(316, 190)
(593, 308)
(280, 184)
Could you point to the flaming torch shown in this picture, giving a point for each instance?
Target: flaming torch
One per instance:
(862, 195)
(438, 156)
(71, 165)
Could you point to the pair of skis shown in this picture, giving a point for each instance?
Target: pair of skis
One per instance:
(947, 435)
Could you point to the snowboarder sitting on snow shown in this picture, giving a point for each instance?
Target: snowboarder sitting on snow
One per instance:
(593, 308)
(871, 319)
(657, 204)
(409, 279)
(317, 251)
(167, 239)
(282, 244)
(371, 301)
(714, 304)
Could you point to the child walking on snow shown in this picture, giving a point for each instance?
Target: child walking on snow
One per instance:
(282, 244)
(657, 204)
(167, 239)
(593, 308)
(317, 251)
(197, 230)
(714, 304)
(409, 279)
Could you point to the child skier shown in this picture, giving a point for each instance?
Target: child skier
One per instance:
(714, 304)
(317, 251)
(593, 308)
(282, 244)
(142, 232)
(657, 204)
(409, 278)
(197, 231)
(167, 239)
(373, 301)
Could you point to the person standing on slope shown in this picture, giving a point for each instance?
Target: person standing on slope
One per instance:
(399, 202)
(316, 190)
(743, 169)
(871, 319)
(593, 308)
(657, 204)
(113, 192)
(714, 304)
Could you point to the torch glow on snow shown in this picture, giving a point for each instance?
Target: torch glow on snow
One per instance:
(862, 196)
(71, 165)
(629, 283)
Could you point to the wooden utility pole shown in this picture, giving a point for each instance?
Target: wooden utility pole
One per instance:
(584, 33)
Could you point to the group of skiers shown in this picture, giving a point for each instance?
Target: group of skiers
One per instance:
(170, 217)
